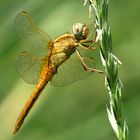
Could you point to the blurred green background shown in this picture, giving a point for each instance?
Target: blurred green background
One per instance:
(76, 111)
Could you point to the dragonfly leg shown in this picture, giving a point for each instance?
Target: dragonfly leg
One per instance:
(85, 66)
(86, 47)
(89, 41)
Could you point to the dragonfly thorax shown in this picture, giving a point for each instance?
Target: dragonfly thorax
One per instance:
(64, 46)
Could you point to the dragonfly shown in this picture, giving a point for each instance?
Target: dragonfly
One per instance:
(57, 61)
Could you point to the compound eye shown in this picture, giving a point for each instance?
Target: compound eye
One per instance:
(85, 32)
(78, 30)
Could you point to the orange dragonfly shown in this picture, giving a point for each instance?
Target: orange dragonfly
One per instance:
(57, 63)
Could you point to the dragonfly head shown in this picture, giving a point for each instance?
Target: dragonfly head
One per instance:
(80, 31)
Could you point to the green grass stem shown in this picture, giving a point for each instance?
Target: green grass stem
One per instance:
(113, 84)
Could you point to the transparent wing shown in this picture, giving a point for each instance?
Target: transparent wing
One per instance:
(70, 71)
(29, 67)
(32, 35)
(92, 32)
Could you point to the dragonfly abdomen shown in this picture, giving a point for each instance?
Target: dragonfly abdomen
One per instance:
(44, 79)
